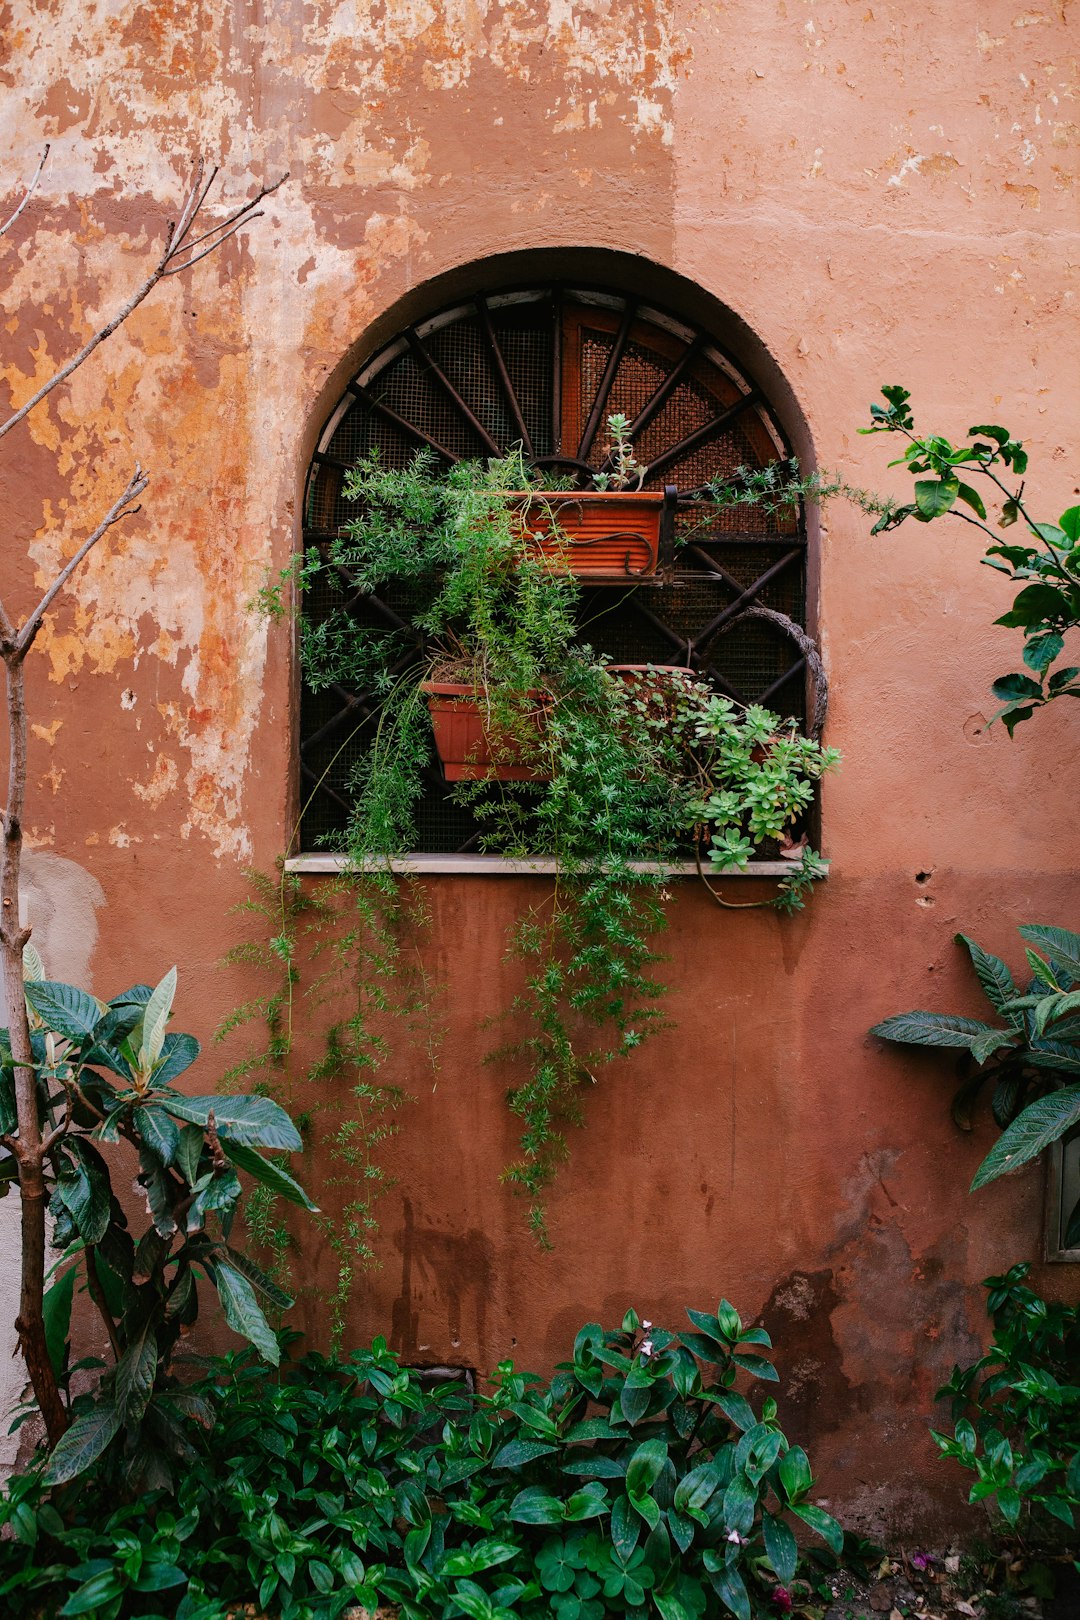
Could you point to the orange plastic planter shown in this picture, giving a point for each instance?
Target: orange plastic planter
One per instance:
(464, 742)
(610, 537)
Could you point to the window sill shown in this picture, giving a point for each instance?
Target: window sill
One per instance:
(499, 866)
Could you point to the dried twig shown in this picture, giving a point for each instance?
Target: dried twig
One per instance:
(175, 257)
(31, 188)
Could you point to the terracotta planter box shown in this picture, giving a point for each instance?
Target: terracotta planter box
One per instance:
(610, 537)
(462, 739)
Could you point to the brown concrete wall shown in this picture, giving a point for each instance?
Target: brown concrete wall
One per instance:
(880, 193)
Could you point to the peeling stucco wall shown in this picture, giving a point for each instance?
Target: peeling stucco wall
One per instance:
(880, 194)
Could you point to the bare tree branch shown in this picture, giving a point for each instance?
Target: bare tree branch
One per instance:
(31, 188)
(173, 250)
(119, 509)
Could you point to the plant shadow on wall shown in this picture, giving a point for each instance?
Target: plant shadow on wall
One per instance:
(617, 776)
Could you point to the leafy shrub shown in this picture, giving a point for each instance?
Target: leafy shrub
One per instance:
(1022, 1438)
(1033, 1058)
(105, 1079)
(637, 1481)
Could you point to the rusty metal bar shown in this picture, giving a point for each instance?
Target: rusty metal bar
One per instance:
(503, 374)
(402, 423)
(701, 435)
(423, 359)
(748, 595)
(688, 648)
(665, 559)
(659, 399)
(556, 368)
(618, 349)
(797, 668)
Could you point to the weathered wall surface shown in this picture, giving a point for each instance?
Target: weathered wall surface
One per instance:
(881, 194)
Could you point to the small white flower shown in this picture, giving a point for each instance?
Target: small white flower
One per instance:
(646, 1350)
(733, 1535)
(646, 1326)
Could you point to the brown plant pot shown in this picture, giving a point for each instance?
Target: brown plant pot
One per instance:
(603, 537)
(467, 751)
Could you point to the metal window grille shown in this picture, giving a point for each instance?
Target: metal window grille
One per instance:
(545, 367)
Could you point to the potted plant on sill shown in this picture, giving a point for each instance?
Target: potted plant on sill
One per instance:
(577, 764)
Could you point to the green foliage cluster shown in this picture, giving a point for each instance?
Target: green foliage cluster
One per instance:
(638, 1482)
(105, 1077)
(1033, 1058)
(1046, 564)
(633, 776)
(1017, 1409)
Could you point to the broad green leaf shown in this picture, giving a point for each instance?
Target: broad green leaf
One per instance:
(933, 1029)
(242, 1311)
(1070, 524)
(728, 1320)
(634, 1401)
(56, 1309)
(95, 1596)
(83, 1188)
(1060, 945)
(1041, 650)
(258, 1278)
(64, 1009)
(516, 1453)
(271, 1175)
(1033, 607)
(32, 965)
(589, 1503)
(708, 1324)
(158, 1131)
(740, 1505)
(189, 1151)
(135, 1376)
(695, 1488)
(251, 1121)
(972, 498)
(736, 1408)
(83, 1443)
(155, 1018)
(993, 975)
(795, 1475)
(1053, 1007)
(780, 1548)
(535, 1506)
(826, 1526)
(984, 1046)
(1041, 1123)
(646, 1466)
(1016, 688)
(671, 1606)
(936, 496)
(729, 1586)
(178, 1053)
(625, 1527)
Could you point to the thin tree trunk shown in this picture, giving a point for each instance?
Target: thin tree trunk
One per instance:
(30, 1321)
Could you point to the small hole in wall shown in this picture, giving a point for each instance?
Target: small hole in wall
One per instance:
(924, 877)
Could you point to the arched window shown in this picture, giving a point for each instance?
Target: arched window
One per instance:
(545, 366)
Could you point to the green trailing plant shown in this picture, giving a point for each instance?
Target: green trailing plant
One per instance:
(1044, 562)
(637, 1482)
(105, 1076)
(628, 779)
(1016, 1410)
(1031, 1058)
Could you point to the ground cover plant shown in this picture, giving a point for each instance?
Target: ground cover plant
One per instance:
(638, 1481)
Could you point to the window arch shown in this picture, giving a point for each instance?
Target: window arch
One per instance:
(544, 365)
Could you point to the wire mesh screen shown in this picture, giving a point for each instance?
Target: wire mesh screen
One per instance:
(538, 365)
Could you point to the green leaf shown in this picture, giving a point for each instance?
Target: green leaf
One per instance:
(56, 1309)
(740, 1505)
(258, 1278)
(1016, 688)
(795, 1475)
(189, 1151)
(993, 975)
(972, 498)
(155, 1018)
(535, 1506)
(271, 1175)
(64, 1009)
(625, 1527)
(936, 496)
(826, 1526)
(729, 1586)
(158, 1131)
(1070, 524)
(242, 1311)
(251, 1121)
(134, 1379)
(1053, 1007)
(93, 1596)
(780, 1548)
(1060, 944)
(1041, 650)
(516, 1453)
(1041, 1123)
(645, 1466)
(1033, 606)
(737, 1409)
(634, 1400)
(178, 1053)
(83, 1443)
(933, 1029)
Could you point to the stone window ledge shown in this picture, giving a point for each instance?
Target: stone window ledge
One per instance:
(501, 866)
